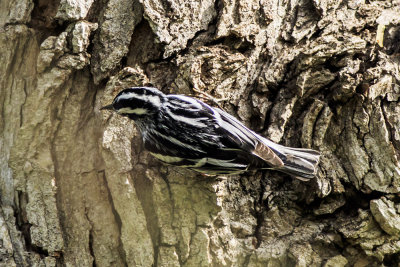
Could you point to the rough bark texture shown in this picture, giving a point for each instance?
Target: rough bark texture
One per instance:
(77, 189)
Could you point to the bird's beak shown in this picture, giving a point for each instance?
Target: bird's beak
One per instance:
(109, 107)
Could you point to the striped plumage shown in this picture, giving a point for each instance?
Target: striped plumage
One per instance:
(186, 132)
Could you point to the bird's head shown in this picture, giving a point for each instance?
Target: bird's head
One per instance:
(137, 102)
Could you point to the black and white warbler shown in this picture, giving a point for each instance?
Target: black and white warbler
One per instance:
(183, 131)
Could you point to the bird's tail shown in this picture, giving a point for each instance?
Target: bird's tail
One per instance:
(298, 162)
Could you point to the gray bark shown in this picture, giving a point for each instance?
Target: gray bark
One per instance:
(77, 188)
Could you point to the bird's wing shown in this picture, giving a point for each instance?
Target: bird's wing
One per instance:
(220, 131)
(264, 152)
(245, 138)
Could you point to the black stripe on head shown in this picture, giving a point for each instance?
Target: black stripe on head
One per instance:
(142, 91)
(140, 101)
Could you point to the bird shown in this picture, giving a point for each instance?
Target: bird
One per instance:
(184, 131)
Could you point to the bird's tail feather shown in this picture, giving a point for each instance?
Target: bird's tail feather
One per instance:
(301, 163)
(298, 162)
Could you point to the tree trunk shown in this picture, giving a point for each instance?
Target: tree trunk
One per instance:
(77, 188)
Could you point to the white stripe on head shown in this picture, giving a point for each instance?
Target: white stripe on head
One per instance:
(137, 111)
(154, 99)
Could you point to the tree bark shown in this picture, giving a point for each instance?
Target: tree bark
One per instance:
(77, 188)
